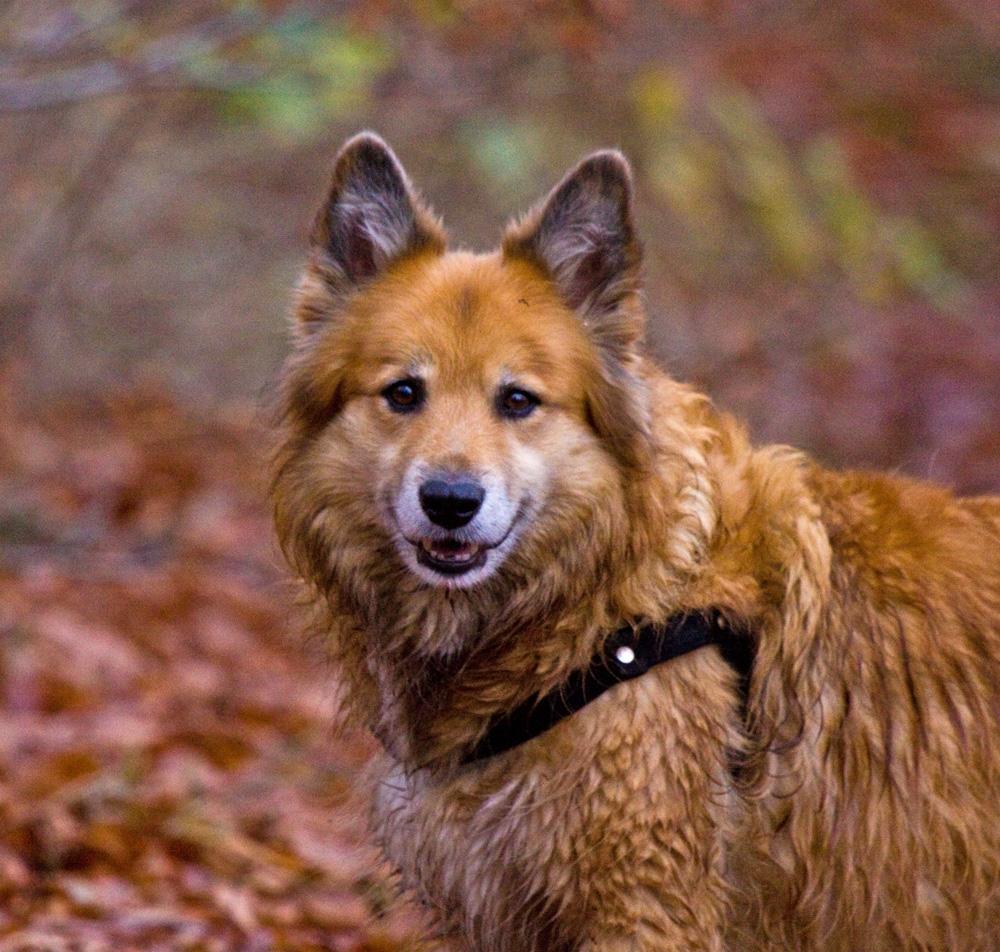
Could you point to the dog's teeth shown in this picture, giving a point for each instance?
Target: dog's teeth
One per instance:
(445, 551)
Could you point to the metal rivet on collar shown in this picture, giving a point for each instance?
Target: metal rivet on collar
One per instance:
(625, 654)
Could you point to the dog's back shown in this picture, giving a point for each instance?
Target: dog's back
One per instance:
(883, 833)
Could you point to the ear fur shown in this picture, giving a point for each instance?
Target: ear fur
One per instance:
(371, 217)
(583, 238)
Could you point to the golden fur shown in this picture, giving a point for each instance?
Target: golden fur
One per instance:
(854, 805)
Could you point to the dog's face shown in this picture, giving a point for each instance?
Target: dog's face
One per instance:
(467, 383)
(468, 411)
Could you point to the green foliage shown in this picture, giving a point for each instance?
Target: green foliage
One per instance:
(725, 171)
(314, 71)
(762, 173)
(920, 264)
(851, 221)
(658, 98)
(881, 253)
(441, 14)
(684, 166)
(506, 154)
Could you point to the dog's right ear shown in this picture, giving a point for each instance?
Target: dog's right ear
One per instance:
(371, 218)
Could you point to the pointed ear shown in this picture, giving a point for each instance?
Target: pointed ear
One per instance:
(371, 216)
(583, 237)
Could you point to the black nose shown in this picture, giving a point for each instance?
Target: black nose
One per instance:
(451, 505)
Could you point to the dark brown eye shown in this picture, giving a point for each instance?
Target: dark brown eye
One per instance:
(515, 403)
(404, 395)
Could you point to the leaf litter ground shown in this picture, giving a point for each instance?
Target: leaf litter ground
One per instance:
(170, 777)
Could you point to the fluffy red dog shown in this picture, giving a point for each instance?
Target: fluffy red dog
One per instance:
(487, 488)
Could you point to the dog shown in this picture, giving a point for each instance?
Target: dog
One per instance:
(486, 487)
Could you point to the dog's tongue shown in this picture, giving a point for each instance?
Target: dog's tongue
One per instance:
(450, 550)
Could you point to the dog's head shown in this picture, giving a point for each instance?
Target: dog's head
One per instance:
(458, 418)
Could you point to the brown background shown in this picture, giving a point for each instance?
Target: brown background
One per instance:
(818, 197)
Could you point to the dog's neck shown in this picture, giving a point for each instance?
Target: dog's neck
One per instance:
(430, 670)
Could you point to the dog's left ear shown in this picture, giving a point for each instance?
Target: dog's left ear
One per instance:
(583, 238)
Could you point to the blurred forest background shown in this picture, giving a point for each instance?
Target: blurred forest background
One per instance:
(818, 194)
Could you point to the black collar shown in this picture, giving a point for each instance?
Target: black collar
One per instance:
(628, 653)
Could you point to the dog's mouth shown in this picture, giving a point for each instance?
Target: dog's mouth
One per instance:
(450, 556)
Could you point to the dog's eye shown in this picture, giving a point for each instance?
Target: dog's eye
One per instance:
(515, 403)
(404, 395)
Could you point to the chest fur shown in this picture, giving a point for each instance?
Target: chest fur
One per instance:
(603, 812)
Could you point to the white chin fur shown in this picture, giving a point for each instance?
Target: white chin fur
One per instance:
(466, 580)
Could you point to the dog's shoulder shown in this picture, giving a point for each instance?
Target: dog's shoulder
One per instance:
(884, 518)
